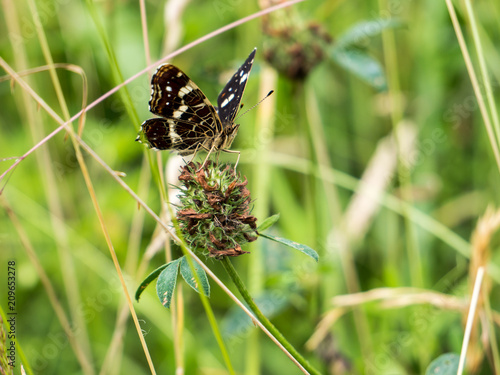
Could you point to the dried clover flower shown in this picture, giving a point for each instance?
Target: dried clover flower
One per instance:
(296, 49)
(214, 214)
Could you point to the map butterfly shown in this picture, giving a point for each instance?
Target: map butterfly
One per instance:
(189, 122)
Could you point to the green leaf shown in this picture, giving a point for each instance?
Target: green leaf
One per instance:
(357, 34)
(362, 65)
(295, 245)
(270, 221)
(166, 283)
(445, 364)
(153, 275)
(349, 51)
(190, 279)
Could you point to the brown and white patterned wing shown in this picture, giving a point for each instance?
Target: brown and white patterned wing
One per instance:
(188, 118)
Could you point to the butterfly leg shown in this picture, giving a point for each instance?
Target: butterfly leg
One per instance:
(218, 156)
(194, 154)
(237, 160)
(206, 159)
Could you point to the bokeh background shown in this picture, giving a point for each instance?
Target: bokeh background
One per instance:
(372, 149)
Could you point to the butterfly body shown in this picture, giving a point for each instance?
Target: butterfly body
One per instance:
(188, 122)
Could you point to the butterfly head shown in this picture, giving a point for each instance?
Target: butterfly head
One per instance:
(227, 136)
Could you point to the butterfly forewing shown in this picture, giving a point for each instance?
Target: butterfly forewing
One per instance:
(174, 95)
(229, 98)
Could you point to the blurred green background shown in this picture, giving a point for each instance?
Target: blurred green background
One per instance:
(347, 77)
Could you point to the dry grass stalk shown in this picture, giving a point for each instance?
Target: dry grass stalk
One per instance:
(481, 254)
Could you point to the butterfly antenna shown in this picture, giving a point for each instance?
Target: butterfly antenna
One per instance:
(249, 109)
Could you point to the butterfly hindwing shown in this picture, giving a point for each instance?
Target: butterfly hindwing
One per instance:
(171, 134)
(155, 133)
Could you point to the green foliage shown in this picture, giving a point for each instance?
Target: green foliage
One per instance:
(269, 222)
(165, 285)
(362, 65)
(167, 279)
(349, 51)
(294, 245)
(188, 276)
(148, 280)
(357, 34)
(338, 101)
(445, 364)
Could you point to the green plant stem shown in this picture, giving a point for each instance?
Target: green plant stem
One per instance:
(404, 174)
(228, 266)
(210, 313)
(474, 81)
(485, 75)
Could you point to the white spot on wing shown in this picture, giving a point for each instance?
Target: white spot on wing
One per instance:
(227, 100)
(172, 134)
(184, 90)
(243, 78)
(182, 109)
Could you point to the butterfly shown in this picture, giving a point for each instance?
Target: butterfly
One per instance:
(188, 122)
